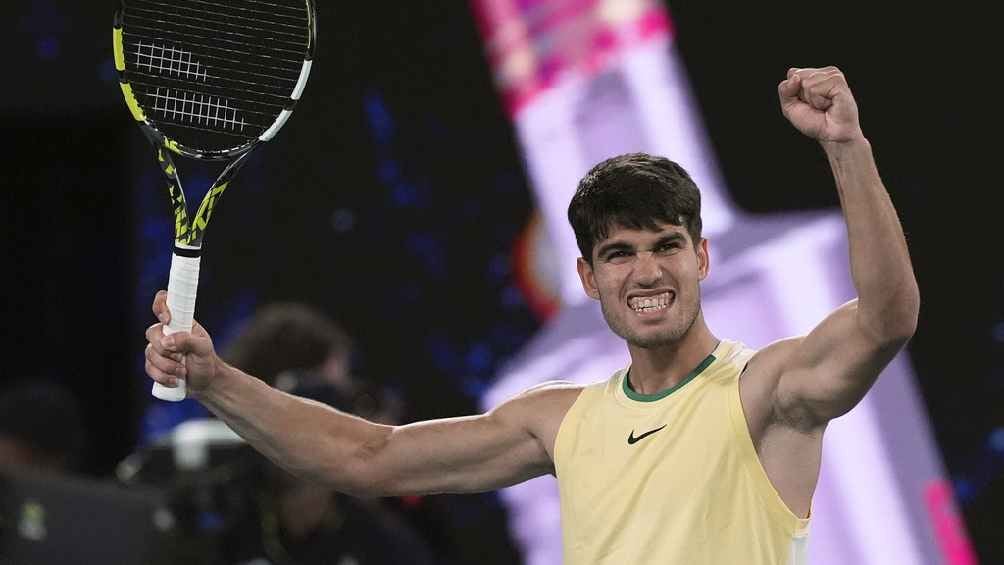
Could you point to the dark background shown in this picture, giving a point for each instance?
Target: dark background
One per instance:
(396, 192)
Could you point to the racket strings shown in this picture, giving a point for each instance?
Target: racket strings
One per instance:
(236, 34)
(168, 48)
(214, 113)
(174, 62)
(160, 64)
(208, 71)
(294, 21)
(293, 10)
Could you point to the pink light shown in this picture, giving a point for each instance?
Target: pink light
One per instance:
(948, 527)
(530, 48)
(655, 23)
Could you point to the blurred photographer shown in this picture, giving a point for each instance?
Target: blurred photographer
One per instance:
(299, 350)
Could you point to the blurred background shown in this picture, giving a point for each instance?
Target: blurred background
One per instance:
(403, 203)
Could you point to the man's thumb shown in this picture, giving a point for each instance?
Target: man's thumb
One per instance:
(185, 343)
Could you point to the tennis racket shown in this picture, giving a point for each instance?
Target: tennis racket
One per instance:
(210, 80)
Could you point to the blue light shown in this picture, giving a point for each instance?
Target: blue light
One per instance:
(512, 297)
(379, 117)
(443, 354)
(997, 440)
(429, 251)
(404, 195)
(499, 267)
(998, 332)
(240, 308)
(210, 521)
(107, 72)
(388, 171)
(47, 48)
(964, 490)
(479, 358)
(343, 220)
(473, 387)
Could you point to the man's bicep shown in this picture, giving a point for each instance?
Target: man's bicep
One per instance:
(457, 455)
(825, 374)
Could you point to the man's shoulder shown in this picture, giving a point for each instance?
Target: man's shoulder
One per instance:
(766, 363)
(543, 406)
(542, 409)
(553, 387)
(551, 394)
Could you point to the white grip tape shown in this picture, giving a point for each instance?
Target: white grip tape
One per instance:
(181, 291)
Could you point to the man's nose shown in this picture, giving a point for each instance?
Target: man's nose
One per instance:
(647, 268)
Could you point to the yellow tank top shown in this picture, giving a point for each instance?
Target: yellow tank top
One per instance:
(671, 477)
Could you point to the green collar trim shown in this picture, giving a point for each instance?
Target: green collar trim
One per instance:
(664, 393)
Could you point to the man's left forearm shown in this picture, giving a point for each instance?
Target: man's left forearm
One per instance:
(888, 298)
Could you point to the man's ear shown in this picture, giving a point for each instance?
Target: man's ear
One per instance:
(587, 278)
(703, 259)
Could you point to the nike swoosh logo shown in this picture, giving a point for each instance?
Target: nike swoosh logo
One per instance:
(633, 440)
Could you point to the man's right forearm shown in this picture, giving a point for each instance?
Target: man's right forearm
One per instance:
(307, 438)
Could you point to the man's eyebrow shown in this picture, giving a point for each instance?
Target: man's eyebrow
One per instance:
(612, 246)
(671, 238)
(620, 245)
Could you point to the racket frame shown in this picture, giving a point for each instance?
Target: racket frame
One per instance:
(188, 234)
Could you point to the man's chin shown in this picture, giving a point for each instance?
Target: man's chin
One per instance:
(638, 335)
(653, 338)
(651, 341)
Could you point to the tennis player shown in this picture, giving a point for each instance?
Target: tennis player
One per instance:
(701, 451)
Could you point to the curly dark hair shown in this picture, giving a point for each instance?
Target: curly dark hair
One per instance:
(286, 336)
(637, 191)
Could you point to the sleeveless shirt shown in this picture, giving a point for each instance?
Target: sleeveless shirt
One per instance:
(671, 477)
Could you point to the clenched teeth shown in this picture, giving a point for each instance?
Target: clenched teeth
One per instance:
(649, 303)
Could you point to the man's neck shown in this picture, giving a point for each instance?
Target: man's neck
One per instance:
(659, 368)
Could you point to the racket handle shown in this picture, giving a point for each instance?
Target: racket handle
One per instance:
(181, 291)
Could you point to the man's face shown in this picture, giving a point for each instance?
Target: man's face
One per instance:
(647, 282)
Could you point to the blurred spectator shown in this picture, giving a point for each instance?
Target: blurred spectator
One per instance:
(298, 349)
(40, 427)
(290, 345)
(291, 337)
(304, 523)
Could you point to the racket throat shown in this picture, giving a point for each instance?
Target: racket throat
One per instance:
(187, 251)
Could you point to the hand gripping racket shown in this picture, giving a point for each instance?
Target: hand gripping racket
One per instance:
(209, 80)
